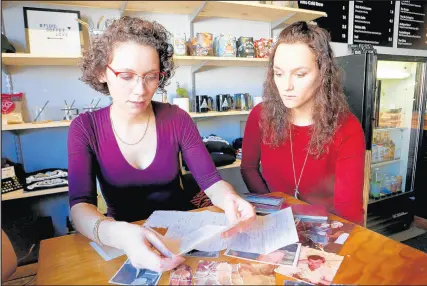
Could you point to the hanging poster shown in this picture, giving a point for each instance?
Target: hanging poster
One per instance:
(373, 23)
(412, 25)
(336, 23)
(53, 32)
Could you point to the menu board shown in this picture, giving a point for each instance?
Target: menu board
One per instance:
(373, 23)
(336, 23)
(412, 25)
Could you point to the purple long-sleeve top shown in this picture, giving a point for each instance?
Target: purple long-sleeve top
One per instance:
(133, 194)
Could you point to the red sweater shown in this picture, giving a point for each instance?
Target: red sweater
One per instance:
(335, 180)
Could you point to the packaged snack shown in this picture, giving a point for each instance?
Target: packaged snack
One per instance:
(12, 108)
(263, 47)
(245, 47)
(225, 46)
(202, 45)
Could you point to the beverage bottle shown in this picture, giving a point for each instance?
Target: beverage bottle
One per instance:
(375, 184)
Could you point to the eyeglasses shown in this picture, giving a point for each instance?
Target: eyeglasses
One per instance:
(131, 79)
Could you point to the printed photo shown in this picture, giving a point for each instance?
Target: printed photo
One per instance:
(223, 273)
(265, 209)
(327, 236)
(314, 266)
(287, 255)
(265, 200)
(182, 275)
(206, 254)
(128, 275)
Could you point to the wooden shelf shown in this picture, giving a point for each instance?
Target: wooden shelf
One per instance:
(243, 10)
(87, 4)
(35, 60)
(219, 61)
(66, 123)
(218, 114)
(25, 59)
(20, 194)
(236, 164)
(257, 12)
(379, 164)
(24, 126)
(172, 7)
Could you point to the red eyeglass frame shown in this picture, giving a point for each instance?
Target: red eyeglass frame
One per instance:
(143, 77)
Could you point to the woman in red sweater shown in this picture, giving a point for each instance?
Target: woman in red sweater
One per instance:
(303, 134)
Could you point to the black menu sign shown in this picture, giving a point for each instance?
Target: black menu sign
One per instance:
(373, 23)
(412, 25)
(337, 21)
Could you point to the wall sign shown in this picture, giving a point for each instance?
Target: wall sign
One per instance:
(337, 21)
(373, 23)
(412, 32)
(53, 32)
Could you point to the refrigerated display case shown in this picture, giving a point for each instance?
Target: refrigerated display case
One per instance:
(387, 93)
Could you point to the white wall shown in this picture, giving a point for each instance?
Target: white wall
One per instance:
(55, 84)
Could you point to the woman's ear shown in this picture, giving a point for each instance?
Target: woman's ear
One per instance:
(102, 78)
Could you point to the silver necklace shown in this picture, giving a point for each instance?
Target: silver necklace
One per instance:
(293, 165)
(143, 135)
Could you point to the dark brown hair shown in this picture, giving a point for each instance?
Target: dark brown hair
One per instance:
(330, 102)
(125, 29)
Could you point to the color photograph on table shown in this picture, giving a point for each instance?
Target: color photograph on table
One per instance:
(326, 236)
(182, 275)
(129, 275)
(287, 255)
(265, 200)
(262, 209)
(314, 266)
(223, 273)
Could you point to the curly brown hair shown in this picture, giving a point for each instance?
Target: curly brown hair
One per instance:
(330, 101)
(100, 52)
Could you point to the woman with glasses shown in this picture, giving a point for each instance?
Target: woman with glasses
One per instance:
(132, 147)
(303, 135)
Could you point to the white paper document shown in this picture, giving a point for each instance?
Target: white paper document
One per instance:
(192, 226)
(268, 233)
(195, 240)
(107, 252)
(202, 231)
(167, 219)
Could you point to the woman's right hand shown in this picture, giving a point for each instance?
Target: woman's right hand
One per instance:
(140, 245)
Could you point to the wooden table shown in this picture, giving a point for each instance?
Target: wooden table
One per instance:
(370, 258)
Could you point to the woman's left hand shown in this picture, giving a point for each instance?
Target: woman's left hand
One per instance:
(239, 212)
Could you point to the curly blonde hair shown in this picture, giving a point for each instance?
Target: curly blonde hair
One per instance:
(330, 101)
(125, 29)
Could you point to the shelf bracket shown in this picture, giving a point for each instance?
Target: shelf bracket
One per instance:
(194, 70)
(277, 23)
(123, 8)
(193, 16)
(197, 68)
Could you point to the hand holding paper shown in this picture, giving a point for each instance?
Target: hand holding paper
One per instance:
(146, 250)
(240, 213)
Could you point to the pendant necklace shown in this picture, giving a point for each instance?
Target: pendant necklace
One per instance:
(293, 165)
(124, 142)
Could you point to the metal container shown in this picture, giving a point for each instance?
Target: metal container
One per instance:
(224, 102)
(245, 47)
(204, 103)
(242, 102)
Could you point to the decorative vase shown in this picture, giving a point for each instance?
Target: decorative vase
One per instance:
(182, 102)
